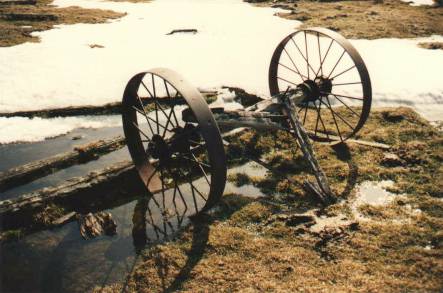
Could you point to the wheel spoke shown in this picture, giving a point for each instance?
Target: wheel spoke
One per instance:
(343, 72)
(186, 132)
(346, 106)
(201, 168)
(174, 175)
(308, 66)
(192, 190)
(346, 83)
(333, 117)
(319, 55)
(324, 58)
(338, 61)
(290, 69)
(167, 124)
(321, 119)
(172, 107)
(153, 84)
(287, 81)
(156, 118)
(307, 56)
(163, 188)
(295, 66)
(192, 160)
(339, 116)
(143, 113)
(349, 97)
(158, 124)
(141, 131)
(318, 118)
(306, 112)
(146, 88)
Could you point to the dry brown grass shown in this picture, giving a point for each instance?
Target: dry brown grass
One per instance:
(43, 16)
(367, 19)
(238, 249)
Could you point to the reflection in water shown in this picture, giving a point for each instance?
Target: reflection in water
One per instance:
(59, 260)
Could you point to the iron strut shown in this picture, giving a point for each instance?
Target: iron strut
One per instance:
(275, 113)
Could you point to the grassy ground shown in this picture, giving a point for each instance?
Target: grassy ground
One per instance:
(264, 244)
(365, 19)
(17, 22)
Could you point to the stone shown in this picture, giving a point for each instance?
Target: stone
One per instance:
(295, 220)
(93, 225)
(391, 160)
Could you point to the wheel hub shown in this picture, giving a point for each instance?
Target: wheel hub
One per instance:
(180, 142)
(314, 89)
(158, 148)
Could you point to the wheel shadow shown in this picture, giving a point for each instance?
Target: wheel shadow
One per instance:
(149, 230)
(343, 153)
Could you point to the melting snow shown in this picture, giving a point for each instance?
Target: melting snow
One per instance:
(233, 46)
(36, 129)
(372, 193)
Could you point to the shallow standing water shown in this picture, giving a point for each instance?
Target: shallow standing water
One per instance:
(60, 260)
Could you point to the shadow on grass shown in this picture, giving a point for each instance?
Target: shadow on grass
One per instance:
(343, 154)
(167, 230)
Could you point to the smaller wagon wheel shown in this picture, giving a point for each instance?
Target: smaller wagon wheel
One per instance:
(175, 157)
(327, 63)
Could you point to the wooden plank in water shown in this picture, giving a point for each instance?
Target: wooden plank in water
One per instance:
(81, 154)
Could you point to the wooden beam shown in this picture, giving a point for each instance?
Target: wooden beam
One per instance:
(81, 154)
(118, 178)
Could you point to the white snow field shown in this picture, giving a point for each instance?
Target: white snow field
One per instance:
(233, 46)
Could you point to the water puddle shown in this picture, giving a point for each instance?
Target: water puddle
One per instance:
(251, 169)
(372, 193)
(59, 260)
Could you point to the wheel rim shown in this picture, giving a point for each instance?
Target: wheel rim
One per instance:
(170, 154)
(326, 61)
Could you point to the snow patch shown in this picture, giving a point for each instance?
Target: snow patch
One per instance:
(372, 193)
(21, 129)
(61, 71)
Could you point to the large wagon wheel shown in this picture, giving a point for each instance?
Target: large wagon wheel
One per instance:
(332, 68)
(172, 155)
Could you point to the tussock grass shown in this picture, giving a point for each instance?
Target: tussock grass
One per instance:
(237, 248)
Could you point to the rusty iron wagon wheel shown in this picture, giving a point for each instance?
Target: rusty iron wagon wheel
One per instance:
(331, 67)
(173, 156)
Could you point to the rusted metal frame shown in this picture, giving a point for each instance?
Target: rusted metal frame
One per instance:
(324, 192)
(207, 129)
(359, 65)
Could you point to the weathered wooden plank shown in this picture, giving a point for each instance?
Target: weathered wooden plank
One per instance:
(81, 154)
(110, 180)
(106, 109)
(357, 141)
